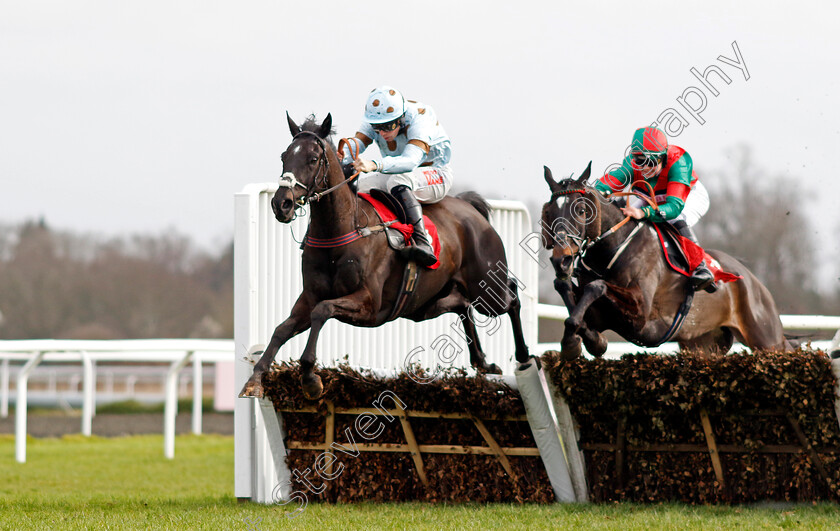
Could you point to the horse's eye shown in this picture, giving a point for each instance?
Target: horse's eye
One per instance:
(313, 160)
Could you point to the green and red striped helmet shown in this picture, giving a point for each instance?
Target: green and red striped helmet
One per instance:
(649, 141)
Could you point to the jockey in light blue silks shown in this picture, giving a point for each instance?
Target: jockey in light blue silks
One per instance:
(414, 165)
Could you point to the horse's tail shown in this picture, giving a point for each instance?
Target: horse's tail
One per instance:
(478, 202)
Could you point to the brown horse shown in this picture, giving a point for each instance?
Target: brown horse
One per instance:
(624, 284)
(359, 283)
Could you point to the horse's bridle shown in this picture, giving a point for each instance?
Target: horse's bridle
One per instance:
(288, 179)
(584, 244)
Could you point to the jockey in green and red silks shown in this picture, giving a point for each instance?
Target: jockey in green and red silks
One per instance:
(669, 171)
(672, 183)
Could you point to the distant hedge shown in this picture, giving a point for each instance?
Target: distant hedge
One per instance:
(754, 403)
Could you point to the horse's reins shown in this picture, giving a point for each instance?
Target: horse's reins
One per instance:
(288, 180)
(584, 244)
(341, 144)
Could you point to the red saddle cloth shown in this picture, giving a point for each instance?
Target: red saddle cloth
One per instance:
(386, 215)
(691, 252)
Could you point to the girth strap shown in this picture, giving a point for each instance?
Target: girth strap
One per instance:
(682, 312)
(679, 319)
(409, 283)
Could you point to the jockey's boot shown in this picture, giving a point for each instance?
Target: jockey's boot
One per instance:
(421, 249)
(702, 277)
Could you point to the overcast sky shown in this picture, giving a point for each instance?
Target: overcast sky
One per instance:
(146, 116)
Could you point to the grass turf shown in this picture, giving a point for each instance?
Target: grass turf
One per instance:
(125, 483)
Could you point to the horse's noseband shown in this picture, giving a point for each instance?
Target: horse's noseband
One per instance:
(288, 180)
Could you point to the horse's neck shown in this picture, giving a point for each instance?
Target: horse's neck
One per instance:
(608, 216)
(334, 214)
(611, 215)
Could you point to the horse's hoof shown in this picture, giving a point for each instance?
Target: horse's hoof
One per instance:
(597, 348)
(523, 357)
(253, 389)
(570, 350)
(493, 369)
(311, 386)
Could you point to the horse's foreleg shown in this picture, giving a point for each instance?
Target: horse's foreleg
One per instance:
(355, 309)
(564, 288)
(297, 322)
(571, 340)
(477, 357)
(521, 347)
(595, 343)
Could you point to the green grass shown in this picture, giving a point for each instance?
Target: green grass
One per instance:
(125, 483)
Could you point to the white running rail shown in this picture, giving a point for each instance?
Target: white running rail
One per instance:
(618, 348)
(177, 352)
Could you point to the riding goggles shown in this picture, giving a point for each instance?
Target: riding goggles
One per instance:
(387, 126)
(644, 160)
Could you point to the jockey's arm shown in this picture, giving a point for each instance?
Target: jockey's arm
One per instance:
(410, 158)
(617, 179)
(668, 210)
(679, 185)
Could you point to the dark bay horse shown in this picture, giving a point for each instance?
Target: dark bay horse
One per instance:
(359, 283)
(625, 285)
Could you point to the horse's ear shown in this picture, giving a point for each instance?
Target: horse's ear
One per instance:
(552, 184)
(293, 127)
(585, 175)
(326, 127)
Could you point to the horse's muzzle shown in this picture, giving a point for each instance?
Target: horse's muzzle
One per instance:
(563, 265)
(284, 209)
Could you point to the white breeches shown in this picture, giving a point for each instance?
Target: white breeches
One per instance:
(429, 184)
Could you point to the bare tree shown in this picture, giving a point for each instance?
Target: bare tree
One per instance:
(55, 284)
(759, 218)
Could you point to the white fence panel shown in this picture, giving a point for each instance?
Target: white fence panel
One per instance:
(268, 280)
(176, 351)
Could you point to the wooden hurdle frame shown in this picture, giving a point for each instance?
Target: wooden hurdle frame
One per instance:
(412, 446)
(621, 449)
